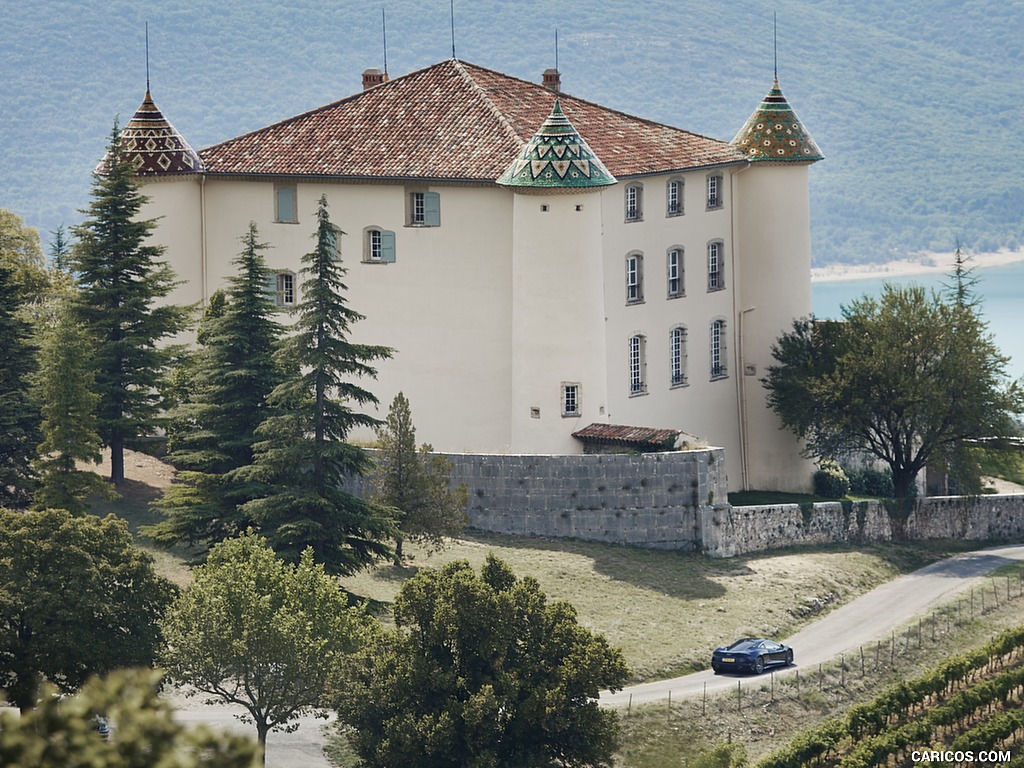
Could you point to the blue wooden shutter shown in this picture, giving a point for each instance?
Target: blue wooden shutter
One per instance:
(387, 246)
(432, 209)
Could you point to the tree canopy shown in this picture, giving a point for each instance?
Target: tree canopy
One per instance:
(76, 598)
(122, 281)
(60, 732)
(482, 671)
(19, 413)
(911, 378)
(214, 430)
(255, 631)
(415, 483)
(303, 459)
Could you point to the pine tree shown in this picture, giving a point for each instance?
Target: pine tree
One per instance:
(416, 483)
(64, 390)
(214, 431)
(19, 414)
(122, 280)
(303, 459)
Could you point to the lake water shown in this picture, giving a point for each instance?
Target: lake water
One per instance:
(1001, 290)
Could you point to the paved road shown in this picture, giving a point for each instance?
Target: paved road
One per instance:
(866, 620)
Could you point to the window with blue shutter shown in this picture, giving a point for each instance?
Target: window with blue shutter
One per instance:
(431, 209)
(387, 246)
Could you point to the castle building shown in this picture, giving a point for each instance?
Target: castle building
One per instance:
(547, 269)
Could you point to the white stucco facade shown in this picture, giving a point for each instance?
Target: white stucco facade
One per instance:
(511, 296)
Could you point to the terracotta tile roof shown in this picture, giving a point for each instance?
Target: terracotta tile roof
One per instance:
(624, 435)
(455, 121)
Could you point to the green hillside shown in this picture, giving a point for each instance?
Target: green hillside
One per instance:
(916, 105)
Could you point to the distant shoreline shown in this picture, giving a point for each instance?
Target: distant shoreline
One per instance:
(924, 264)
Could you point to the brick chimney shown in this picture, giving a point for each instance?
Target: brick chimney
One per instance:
(372, 77)
(552, 80)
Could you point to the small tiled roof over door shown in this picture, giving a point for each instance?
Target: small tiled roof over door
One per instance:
(640, 438)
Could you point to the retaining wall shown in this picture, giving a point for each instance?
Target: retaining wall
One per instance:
(677, 500)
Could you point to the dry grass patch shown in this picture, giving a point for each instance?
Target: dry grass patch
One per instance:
(668, 610)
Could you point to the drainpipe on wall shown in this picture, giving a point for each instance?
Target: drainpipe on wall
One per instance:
(740, 399)
(202, 234)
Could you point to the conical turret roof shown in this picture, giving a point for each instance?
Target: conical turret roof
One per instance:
(556, 157)
(774, 134)
(153, 145)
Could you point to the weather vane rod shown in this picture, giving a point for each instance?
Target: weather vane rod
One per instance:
(147, 56)
(452, 6)
(775, 35)
(384, 28)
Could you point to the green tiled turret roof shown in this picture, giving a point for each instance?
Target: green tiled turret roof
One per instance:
(556, 157)
(154, 146)
(774, 134)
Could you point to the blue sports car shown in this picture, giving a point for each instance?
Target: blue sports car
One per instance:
(753, 654)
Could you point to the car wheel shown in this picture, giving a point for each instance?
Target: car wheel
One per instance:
(759, 665)
(789, 657)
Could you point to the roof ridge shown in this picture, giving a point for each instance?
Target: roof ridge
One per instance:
(486, 99)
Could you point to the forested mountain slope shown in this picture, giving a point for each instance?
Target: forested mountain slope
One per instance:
(918, 106)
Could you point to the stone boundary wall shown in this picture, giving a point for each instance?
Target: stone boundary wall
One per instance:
(656, 500)
(730, 531)
(677, 500)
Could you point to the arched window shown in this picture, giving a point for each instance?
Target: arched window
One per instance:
(719, 368)
(677, 355)
(634, 278)
(716, 265)
(634, 202)
(637, 364)
(675, 272)
(378, 246)
(674, 197)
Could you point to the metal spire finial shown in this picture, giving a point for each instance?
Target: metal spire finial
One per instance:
(147, 57)
(452, 7)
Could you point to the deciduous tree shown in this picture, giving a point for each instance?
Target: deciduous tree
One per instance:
(123, 282)
(60, 732)
(303, 459)
(910, 378)
(76, 598)
(255, 631)
(482, 671)
(416, 483)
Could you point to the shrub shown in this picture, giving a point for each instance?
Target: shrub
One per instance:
(830, 481)
(871, 482)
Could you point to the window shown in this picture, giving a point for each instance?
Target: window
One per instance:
(674, 198)
(281, 285)
(716, 266)
(634, 278)
(378, 246)
(719, 369)
(570, 399)
(677, 355)
(637, 365)
(285, 207)
(714, 191)
(676, 288)
(634, 202)
(424, 209)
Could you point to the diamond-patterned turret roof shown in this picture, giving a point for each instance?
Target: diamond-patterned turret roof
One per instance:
(556, 157)
(154, 146)
(774, 134)
(453, 121)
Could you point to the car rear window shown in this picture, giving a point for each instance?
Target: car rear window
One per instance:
(743, 645)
